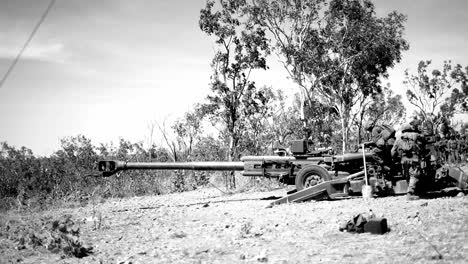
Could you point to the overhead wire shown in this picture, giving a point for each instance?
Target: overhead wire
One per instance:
(20, 53)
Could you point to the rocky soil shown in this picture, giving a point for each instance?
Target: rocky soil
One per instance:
(207, 226)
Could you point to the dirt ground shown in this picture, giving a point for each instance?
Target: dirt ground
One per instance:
(207, 226)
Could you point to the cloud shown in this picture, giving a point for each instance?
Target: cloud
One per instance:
(54, 52)
(50, 52)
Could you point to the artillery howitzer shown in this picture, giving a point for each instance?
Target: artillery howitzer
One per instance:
(315, 174)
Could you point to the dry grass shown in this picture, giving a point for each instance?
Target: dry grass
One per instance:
(32, 234)
(211, 227)
(215, 226)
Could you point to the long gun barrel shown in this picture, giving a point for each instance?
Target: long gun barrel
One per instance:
(110, 167)
(314, 174)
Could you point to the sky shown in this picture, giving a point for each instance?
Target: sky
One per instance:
(107, 69)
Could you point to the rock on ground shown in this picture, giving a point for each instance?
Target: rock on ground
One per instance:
(207, 226)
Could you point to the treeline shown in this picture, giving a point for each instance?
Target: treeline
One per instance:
(69, 173)
(28, 180)
(337, 53)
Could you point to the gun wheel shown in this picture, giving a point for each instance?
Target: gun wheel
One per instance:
(311, 176)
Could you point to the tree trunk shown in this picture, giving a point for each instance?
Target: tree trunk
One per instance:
(302, 113)
(231, 154)
(344, 116)
(360, 135)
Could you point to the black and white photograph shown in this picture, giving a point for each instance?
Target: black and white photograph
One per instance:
(233, 131)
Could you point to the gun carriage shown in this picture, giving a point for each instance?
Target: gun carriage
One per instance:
(315, 174)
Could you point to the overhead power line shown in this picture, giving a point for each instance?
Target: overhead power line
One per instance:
(15, 61)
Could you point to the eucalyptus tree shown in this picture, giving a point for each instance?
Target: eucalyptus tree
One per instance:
(336, 51)
(241, 47)
(435, 93)
(457, 102)
(383, 108)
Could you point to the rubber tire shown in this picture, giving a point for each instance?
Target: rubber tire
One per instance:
(307, 171)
